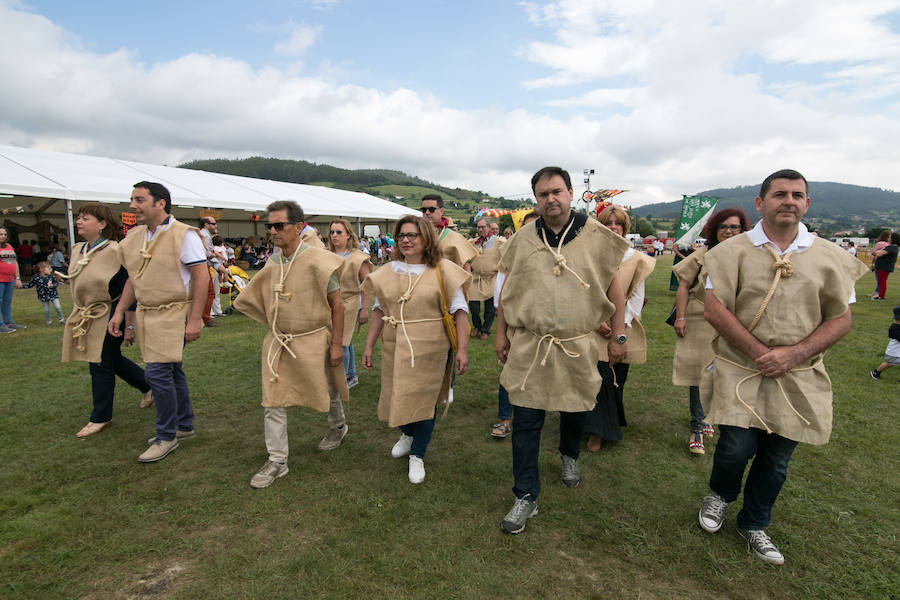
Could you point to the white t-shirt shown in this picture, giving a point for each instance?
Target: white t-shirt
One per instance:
(192, 250)
(458, 302)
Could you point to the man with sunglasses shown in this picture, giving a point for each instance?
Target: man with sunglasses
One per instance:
(297, 296)
(453, 245)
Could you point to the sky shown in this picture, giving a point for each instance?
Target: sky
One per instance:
(659, 98)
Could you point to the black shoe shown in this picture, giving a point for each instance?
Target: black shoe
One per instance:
(875, 374)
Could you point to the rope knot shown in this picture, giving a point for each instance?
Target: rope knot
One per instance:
(783, 267)
(560, 264)
(405, 297)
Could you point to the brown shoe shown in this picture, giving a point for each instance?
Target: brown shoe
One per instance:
(92, 428)
(146, 400)
(158, 450)
(594, 443)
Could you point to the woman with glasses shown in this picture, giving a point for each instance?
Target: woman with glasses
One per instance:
(97, 278)
(410, 295)
(343, 242)
(692, 346)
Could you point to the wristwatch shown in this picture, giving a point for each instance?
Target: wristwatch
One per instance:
(620, 339)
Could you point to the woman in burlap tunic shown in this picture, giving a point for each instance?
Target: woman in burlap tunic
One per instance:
(97, 278)
(343, 242)
(604, 422)
(694, 335)
(415, 370)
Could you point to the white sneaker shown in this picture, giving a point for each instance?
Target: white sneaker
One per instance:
(450, 396)
(416, 469)
(401, 448)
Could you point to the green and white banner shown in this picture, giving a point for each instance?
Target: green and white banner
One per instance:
(695, 212)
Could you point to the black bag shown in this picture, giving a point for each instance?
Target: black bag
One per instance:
(670, 320)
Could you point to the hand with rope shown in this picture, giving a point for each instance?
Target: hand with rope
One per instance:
(778, 361)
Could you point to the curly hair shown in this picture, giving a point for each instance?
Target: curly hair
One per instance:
(711, 230)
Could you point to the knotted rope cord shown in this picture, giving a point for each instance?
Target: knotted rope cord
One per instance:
(404, 298)
(86, 314)
(165, 306)
(551, 341)
(280, 338)
(560, 259)
(145, 252)
(83, 261)
(782, 268)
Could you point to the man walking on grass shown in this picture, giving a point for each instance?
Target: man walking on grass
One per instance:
(780, 298)
(484, 272)
(560, 286)
(298, 296)
(168, 277)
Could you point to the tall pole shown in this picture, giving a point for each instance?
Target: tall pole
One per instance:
(70, 226)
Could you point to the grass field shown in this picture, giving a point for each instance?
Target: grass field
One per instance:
(83, 519)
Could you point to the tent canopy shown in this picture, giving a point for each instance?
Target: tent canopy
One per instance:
(58, 175)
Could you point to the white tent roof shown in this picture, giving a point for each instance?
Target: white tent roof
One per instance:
(42, 174)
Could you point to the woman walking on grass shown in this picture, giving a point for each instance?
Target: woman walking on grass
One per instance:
(9, 281)
(692, 346)
(885, 260)
(409, 295)
(97, 278)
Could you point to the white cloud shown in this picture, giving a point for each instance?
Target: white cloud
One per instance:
(300, 38)
(670, 100)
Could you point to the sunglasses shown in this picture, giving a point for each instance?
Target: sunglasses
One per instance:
(409, 236)
(336, 232)
(278, 226)
(428, 209)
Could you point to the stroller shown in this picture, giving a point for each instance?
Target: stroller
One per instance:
(237, 281)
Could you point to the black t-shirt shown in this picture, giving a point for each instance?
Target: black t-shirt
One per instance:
(894, 332)
(553, 238)
(887, 261)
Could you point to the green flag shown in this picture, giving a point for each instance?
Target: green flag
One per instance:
(695, 212)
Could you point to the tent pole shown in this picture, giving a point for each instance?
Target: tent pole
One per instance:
(70, 226)
(358, 227)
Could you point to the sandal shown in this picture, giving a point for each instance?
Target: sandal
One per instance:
(147, 400)
(92, 428)
(501, 430)
(696, 444)
(594, 443)
(708, 430)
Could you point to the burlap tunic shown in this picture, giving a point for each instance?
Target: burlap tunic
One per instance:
(631, 273)
(304, 315)
(90, 297)
(548, 311)
(163, 305)
(693, 351)
(350, 292)
(484, 271)
(818, 290)
(455, 247)
(410, 393)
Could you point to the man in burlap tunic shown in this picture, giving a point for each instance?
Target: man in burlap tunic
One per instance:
(484, 273)
(297, 295)
(167, 274)
(454, 247)
(560, 286)
(779, 298)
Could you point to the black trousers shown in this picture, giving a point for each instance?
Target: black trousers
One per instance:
(526, 445)
(103, 378)
(484, 326)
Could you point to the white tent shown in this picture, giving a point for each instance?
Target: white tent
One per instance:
(33, 181)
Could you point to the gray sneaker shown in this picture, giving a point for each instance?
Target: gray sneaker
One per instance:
(571, 476)
(5, 329)
(762, 545)
(712, 513)
(515, 519)
(16, 326)
(333, 438)
(269, 473)
(352, 382)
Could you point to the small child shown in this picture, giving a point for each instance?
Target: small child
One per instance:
(46, 286)
(892, 353)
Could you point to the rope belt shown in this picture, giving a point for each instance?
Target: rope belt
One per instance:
(402, 300)
(560, 259)
(551, 340)
(283, 341)
(757, 373)
(165, 306)
(86, 314)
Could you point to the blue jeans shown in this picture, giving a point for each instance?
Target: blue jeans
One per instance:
(770, 453)
(55, 302)
(349, 361)
(504, 408)
(171, 397)
(6, 296)
(526, 445)
(697, 415)
(421, 435)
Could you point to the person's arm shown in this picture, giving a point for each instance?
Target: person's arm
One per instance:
(125, 301)
(335, 353)
(681, 300)
(616, 350)
(374, 331)
(730, 328)
(364, 271)
(462, 338)
(199, 287)
(501, 343)
(781, 359)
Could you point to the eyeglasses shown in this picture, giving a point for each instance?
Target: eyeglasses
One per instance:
(428, 209)
(409, 236)
(337, 232)
(278, 226)
(730, 228)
